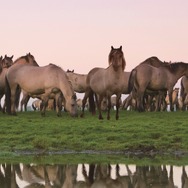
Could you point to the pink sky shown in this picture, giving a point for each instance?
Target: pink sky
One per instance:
(78, 34)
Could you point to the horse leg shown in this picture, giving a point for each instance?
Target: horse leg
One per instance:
(99, 106)
(92, 106)
(13, 107)
(43, 106)
(59, 101)
(127, 102)
(183, 101)
(117, 105)
(140, 101)
(21, 104)
(84, 103)
(109, 107)
(24, 102)
(170, 99)
(0, 104)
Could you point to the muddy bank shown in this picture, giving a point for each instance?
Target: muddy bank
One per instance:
(141, 153)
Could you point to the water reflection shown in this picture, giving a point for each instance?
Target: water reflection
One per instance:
(92, 176)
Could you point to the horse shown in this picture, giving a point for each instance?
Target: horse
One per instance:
(129, 102)
(5, 63)
(105, 82)
(184, 90)
(78, 81)
(104, 103)
(175, 93)
(44, 83)
(79, 104)
(146, 77)
(36, 104)
(151, 97)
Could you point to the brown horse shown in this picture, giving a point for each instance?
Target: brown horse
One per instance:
(146, 77)
(5, 63)
(106, 82)
(150, 96)
(44, 82)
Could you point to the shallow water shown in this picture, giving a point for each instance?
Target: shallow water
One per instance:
(91, 176)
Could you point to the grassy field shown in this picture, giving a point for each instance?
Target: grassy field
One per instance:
(134, 134)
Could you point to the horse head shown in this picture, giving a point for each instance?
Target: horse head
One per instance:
(116, 58)
(7, 61)
(71, 105)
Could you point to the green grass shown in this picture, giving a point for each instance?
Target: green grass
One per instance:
(164, 132)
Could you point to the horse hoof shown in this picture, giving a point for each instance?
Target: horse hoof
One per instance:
(100, 117)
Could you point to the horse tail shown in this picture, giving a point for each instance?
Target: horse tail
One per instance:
(131, 80)
(17, 96)
(7, 96)
(182, 89)
(91, 102)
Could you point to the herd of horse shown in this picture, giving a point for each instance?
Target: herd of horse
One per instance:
(90, 176)
(148, 85)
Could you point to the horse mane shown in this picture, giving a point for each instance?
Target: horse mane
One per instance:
(173, 66)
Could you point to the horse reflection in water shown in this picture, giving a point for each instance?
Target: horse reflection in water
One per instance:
(153, 176)
(94, 176)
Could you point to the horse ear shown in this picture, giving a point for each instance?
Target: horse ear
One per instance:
(73, 71)
(11, 56)
(5, 55)
(120, 48)
(112, 48)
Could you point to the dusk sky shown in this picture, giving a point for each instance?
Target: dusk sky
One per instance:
(78, 34)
